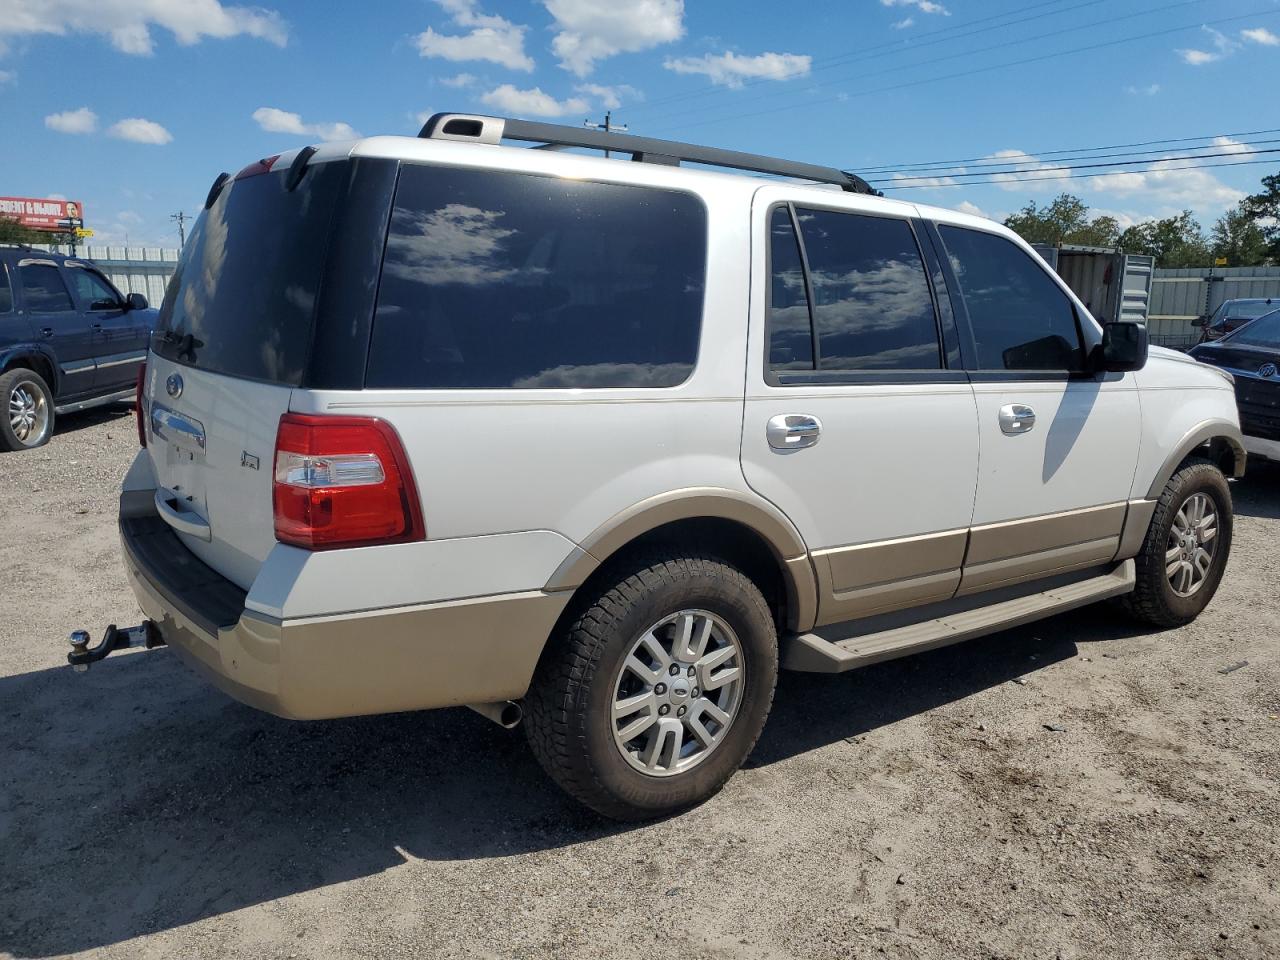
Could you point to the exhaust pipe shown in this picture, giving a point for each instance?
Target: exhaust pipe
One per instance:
(506, 713)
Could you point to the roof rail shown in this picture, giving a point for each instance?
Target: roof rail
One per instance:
(472, 128)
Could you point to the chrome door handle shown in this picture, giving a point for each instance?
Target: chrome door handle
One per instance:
(791, 431)
(1016, 418)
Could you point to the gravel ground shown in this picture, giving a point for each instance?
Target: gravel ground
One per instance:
(916, 809)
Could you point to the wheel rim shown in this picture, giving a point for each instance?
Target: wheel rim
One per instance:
(28, 413)
(677, 693)
(1193, 542)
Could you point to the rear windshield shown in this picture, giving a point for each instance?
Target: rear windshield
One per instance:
(1244, 309)
(242, 301)
(1263, 332)
(501, 280)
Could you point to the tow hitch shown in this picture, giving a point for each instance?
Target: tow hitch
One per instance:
(144, 634)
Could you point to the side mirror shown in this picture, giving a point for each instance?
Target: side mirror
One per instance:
(136, 301)
(1124, 347)
(1200, 322)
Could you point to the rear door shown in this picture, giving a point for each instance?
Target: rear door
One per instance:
(1059, 446)
(119, 339)
(859, 423)
(53, 316)
(232, 342)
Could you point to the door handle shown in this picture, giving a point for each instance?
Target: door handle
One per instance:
(46, 331)
(791, 431)
(1016, 418)
(95, 325)
(184, 521)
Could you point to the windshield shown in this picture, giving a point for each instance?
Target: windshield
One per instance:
(242, 301)
(1241, 310)
(1263, 332)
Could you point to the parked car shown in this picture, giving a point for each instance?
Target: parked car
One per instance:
(69, 340)
(1251, 354)
(439, 421)
(1233, 314)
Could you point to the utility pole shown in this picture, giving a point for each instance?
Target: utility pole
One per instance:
(181, 219)
(608, 126)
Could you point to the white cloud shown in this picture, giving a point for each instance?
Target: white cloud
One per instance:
(459, 80)
(903, 23)
(1223, 47)
(921, 181)
(128, 216)
(729, 69)
(610, 97)
(964, 206)
(140, 131)
(83, 120)
(55, 196)
(8, 76)
(592, 30)
(1261, 35)
(534, 102)
(924, 6)
(127, 23)
(274, 120)
(1150, 90)
(422, 116)
(493, 39)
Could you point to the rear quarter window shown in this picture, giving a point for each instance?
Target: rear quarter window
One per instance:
(500, 280)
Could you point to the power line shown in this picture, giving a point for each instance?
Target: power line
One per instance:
(1012, 178)
(989, 158)
(1082, 166)
(1107, 23)
(987, 69)
(888, 48)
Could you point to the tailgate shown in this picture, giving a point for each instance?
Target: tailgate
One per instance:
(211, 439)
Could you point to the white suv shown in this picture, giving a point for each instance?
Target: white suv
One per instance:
(604, 444)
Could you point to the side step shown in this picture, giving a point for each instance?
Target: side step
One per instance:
(815, 654)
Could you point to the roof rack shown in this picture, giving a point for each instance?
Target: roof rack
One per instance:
(472, 128)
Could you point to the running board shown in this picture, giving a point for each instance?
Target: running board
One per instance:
(117, 397)
(814, 654)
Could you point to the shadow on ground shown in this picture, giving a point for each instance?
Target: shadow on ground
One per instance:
(136, 798)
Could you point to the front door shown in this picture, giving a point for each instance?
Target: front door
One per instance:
(119, 337)
(858, 424)
(55, 320)
(1059, 446)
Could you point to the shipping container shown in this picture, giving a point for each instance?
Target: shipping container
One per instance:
(1113, 285)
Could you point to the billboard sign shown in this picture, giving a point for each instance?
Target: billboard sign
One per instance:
(41, 214)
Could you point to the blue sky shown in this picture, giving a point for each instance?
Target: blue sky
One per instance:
(133, 106)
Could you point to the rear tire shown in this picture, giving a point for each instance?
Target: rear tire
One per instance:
(687, 639)
(1185, 551)
(26, 419)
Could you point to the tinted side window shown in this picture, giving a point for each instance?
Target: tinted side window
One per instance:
(92, 289)
(6, 292)
(871, 302)
(1021, 319)
(43, 289)
(790, 333)
(497, 280)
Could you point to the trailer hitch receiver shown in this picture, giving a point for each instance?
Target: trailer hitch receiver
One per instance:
(82, 655)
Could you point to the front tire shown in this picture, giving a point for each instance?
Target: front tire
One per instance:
(658, 687)
(27, 419)
(1186, 548)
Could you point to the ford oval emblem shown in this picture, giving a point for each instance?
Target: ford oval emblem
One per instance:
(173, 385)
(1267, 370)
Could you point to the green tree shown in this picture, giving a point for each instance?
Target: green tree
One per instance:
(1064, 220)
(1174, 241)
(1239, 238)
(11, 231)
(1264, 208)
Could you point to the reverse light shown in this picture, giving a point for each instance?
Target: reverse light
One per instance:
(139, 414)
(342, 482)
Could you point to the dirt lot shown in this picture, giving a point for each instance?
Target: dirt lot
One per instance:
(916, 809)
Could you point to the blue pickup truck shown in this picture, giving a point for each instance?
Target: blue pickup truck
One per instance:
(69, 340)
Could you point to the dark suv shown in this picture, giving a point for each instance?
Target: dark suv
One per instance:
(69, 340)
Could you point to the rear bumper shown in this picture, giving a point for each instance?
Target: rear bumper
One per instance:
(448, 653)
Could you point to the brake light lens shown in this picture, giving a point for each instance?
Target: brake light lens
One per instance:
(138, 412)
(342, 482)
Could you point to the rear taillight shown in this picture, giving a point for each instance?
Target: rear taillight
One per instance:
(342, 482)
(137, 404)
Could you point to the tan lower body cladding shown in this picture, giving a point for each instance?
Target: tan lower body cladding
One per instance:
(873, 578)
